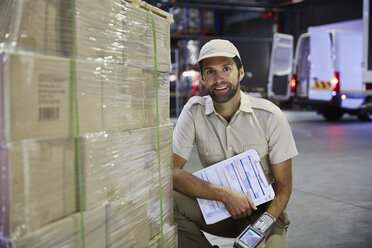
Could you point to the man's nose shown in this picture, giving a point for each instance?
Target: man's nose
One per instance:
(218, 77)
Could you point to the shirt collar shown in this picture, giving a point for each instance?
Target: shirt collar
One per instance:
(245, 104)
(208, 107)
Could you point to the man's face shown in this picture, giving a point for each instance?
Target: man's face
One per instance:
(221, 78)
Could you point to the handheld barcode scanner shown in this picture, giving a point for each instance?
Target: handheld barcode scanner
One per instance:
(255, 233)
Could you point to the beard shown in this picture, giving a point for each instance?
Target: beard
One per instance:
(222, 98)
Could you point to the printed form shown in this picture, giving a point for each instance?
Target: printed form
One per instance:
(243, 173)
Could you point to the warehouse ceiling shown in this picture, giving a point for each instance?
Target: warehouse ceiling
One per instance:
(242, 5)
(249, 5)
(292, 16)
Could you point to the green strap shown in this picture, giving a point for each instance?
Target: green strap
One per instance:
(73, 85)
(157, 125)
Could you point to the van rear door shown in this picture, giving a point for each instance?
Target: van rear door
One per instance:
(349, 57)
(322, 66)
(280, 68)
(301, 66)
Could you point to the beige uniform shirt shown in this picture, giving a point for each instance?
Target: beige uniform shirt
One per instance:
(258, 124)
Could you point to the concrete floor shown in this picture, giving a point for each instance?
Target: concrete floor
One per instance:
(331, 202)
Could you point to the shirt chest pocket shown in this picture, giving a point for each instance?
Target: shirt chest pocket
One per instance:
(210, 152)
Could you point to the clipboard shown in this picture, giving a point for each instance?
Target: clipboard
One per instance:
(243, 172)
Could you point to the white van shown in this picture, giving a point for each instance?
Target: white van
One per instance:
(326, 71)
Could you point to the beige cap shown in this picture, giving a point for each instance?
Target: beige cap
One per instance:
(216, 48)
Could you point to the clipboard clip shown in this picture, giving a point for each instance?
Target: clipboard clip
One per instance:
(260, 170)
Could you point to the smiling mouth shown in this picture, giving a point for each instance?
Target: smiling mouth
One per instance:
(221, 88)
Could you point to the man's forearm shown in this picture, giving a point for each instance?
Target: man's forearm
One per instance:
(282, 187)
(279, 203)
(189, 184)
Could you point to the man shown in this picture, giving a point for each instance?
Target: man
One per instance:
(223, 124)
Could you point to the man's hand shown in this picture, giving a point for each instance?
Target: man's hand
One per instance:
(238, 204)
(262, 244)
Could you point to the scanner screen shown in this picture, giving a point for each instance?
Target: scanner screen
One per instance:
(250, 237)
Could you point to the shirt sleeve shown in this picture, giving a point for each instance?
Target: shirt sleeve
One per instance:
(184, 134)
(281, 142)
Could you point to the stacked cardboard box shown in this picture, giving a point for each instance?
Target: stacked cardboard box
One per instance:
(66, 232)
(111, 96)
(113, 30)
(38, 180)
(116, 98)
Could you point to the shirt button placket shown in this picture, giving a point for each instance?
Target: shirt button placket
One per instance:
(228, 145)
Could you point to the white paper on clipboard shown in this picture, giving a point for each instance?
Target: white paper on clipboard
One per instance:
(243, 173)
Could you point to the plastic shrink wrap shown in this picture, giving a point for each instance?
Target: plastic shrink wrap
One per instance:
(114, 30)
(116, 105)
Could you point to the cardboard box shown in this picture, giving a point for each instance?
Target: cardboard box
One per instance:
(38, 185)
(37, 97)
(127, 222)
(123, 97)
(129, 98)
(34, 26)
(113, 161)
(66, 232)
(122, 32)
(118, 164)
(139, 26)
(99, 32)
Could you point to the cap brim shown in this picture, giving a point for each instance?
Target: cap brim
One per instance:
(217, 54)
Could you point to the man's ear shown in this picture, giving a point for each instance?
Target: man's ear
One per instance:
(241, 73)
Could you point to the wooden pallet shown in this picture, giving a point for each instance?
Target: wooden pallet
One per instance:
(154, 9)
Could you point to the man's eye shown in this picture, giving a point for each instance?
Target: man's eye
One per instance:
(208, 71)
(226, 68)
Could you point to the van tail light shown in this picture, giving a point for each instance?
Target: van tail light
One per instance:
(292, 83)
(335, 82)
(368, 86)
